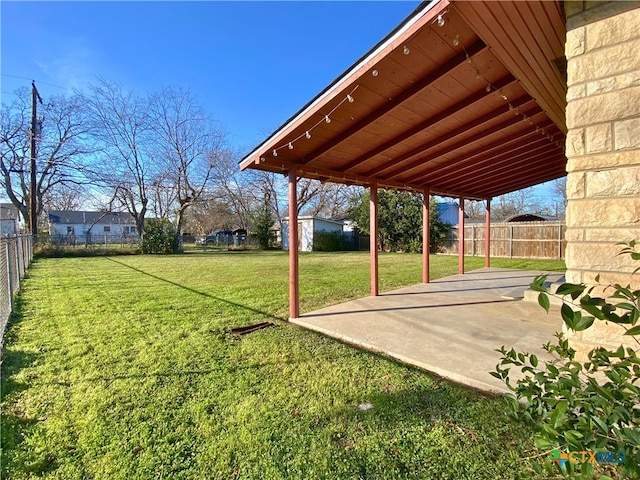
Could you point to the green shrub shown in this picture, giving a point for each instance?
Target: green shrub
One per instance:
(159, 236)
(586, 414)
(331, 242)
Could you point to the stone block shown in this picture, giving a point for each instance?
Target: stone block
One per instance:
(610, 235)
(575, 142)
(603, 63)
(616, 29)
(609, 84)
(577, 91)
(613, 183)
(618, 105)
(603, 160)
(575, 43)
(599, 334)
(599, 258)
(609, 212)
(611, 278)
(598, 138)
(575, 185)
(627, 134)
(574, 235)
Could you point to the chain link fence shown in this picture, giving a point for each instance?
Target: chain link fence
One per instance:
(16, 252)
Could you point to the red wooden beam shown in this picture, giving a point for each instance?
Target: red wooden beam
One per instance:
(294, 290)
(461, 236)
(523, 138)
(426, 241)
(373, 238)
(511, 123)
(487, 235)
(491, 167)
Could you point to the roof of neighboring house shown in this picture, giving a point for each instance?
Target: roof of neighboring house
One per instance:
(91, 218)
(527, 217)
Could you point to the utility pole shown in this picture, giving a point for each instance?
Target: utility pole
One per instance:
(33, 215)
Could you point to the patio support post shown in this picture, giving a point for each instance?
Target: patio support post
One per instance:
(487, 234)
(294, 291)
(426, 241)
(461, 236)
(373, 237)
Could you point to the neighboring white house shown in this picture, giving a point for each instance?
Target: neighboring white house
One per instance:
(307, 226)
(94, 226)
(9, 216)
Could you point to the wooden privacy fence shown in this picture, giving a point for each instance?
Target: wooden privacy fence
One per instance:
(513, 240)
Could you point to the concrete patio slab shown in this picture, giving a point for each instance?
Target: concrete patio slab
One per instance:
(451, 326)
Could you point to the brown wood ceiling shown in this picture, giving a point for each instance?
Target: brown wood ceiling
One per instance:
(472, 108)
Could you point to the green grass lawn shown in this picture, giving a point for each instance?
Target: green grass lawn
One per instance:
(124, 368)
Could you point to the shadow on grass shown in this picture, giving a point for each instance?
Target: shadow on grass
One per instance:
(192, 290)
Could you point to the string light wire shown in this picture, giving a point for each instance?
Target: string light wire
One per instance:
(326, 118)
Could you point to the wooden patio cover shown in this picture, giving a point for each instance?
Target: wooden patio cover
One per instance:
(464, 99)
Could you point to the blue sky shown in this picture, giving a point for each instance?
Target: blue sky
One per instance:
(252, 65)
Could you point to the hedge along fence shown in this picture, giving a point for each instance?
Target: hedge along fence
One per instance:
(512, 240)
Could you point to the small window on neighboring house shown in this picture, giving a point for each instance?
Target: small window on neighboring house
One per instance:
(107, 228)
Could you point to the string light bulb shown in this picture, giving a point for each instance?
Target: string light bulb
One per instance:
(290, 146)
(440, 21)
(406, 50)
(488, 89)
(308, 135)
(350, 98)
(374, 73)
(456, 41)
(275, 153)
(327, 119)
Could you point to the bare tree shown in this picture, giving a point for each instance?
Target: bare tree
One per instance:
(188, 146)
(329, 200)
(238, 189)
(559, 192)
(122, 124)
(64, 197)
(63, 143)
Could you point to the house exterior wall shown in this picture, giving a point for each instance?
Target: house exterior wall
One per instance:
(97, 229)
(603, 146)
(8, 219)
(306, 229)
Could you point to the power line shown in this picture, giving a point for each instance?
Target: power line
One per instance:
(35, 80)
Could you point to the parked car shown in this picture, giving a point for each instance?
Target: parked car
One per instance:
(215, 238)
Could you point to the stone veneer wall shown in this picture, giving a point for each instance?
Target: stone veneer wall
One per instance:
(603, 147)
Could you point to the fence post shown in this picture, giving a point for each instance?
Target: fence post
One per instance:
(559, 241)
(10, 274)
(510, 241)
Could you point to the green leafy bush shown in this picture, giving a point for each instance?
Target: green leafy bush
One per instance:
(331, 242)
(159, 236)
(587, 409)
